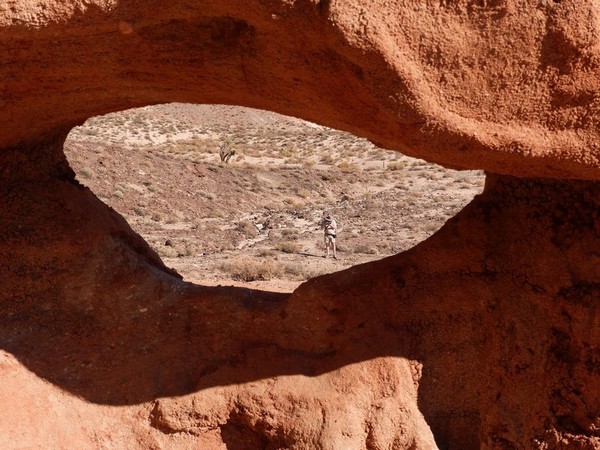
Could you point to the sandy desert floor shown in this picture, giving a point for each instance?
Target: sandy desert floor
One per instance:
(254, 220)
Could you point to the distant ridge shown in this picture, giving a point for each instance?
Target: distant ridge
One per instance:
(233, 116)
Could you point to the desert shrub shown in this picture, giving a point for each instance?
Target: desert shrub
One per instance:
(375, 154)
(396, 165)
(226, 150)
(86, 173)
(256, 187)
(286, 152)
(289, 233)
(207, 195)
(346, 166)
(271, 206)
(302, 272)
(462, 177)
(432, 176)
(326, 159)
(365, 249)
(294, 269)
(182, 146)
(247, 228)
(309, 163)
(294, 203)
(342, 248)
(215, 213)
(90, 131)
(244, 268)
(288, 247)
(249, 150)
(431, 227)
(186, 250)
(205, 145)
(167, 252)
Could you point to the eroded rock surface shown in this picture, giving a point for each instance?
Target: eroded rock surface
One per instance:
(484, 336)
(508, 86)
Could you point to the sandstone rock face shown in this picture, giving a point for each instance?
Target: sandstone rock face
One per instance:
(487, 335)
(508, 86)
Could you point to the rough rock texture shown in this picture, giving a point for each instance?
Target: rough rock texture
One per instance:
(509, 86)
(487, 335)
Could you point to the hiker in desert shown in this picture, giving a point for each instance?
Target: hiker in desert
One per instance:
(329, 227)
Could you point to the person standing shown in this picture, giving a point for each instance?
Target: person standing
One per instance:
(329, 234)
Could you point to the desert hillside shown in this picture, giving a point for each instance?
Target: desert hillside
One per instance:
(253, 220)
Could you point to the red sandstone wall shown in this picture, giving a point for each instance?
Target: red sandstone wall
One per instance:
(484, 336)
(502, 85)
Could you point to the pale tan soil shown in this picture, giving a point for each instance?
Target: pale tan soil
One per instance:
(159, 167)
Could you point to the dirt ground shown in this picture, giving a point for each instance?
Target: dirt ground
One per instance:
(253, 221)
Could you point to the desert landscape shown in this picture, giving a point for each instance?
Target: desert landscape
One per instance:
(254, 221)
(163, 285)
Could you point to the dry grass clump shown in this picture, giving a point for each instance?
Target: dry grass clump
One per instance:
(301, 272)
(327, 159)
(118, 194)
(294, 203)
(207, 195)
(139, 211)
(396, 165)
(247, 228)
(290, 233)
(245, 268)
(286, 152)
(347, 167)
(176, 248)
(214, 212)
(294, 160)
(288, 247)
(341, 248)
(303, 192)
(266, 252)
(172, 219)
(365, 249)
(86, 173)
(309, 163)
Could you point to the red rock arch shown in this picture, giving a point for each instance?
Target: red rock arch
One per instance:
(484, 336)
(504, 86)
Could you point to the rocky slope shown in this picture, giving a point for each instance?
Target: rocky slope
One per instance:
(256, 218)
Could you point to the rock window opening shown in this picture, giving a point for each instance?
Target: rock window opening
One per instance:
(253, 218)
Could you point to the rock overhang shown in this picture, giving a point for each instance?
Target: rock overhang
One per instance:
(503, 86)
